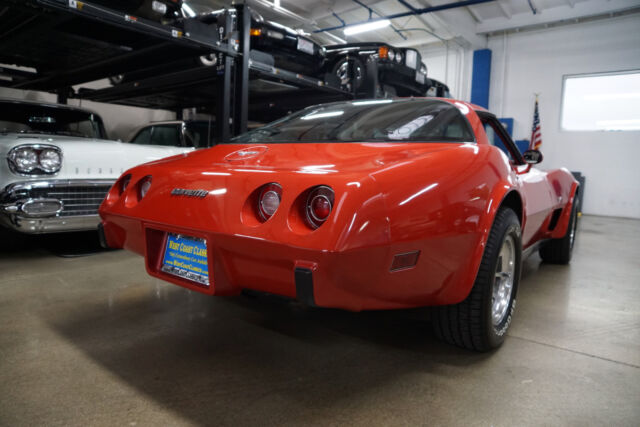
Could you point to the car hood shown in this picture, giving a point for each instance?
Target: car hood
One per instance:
(85, 158)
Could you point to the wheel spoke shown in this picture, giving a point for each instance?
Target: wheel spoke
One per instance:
(503, 280)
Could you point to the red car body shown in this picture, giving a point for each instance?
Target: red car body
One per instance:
(436, 201)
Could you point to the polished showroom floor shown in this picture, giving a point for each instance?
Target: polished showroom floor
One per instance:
(86, 338)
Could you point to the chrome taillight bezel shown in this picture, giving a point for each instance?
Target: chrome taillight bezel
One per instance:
(322, 191)
(272, 187)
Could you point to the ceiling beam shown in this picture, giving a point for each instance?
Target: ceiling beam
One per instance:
(505, 9)
(420, 18)
(535, 8)
(458, 23)
(557, 14)
(473, 13)
(323, 11)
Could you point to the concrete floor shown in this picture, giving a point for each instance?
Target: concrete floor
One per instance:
(91, 340)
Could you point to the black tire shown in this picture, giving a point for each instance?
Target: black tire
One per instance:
(559, 251)
(470, 323)
(345, 80)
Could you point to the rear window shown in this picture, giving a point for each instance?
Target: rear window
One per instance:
(382, 120)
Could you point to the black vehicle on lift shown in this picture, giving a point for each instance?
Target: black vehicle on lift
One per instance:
(289, 49)
(271, 43)
(163, 11)
(438, 89)
(400, 70)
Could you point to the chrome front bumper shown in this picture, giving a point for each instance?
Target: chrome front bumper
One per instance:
(73, 205)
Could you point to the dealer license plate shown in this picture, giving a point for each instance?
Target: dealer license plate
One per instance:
(305, 46)
(186, 257)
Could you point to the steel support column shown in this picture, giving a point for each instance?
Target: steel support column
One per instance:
(241, 72)
(223, 100)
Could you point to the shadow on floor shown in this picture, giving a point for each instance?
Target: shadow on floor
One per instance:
(239, 360)
(249, 359)
(65, 245)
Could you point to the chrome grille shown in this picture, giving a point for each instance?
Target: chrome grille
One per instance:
(78, 198)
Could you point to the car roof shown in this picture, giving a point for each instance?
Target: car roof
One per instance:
(408, 99)
(46, 104)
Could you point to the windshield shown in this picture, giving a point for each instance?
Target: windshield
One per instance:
(34, 118)
(382, 120)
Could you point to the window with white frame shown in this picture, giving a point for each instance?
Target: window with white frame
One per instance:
(601, 102)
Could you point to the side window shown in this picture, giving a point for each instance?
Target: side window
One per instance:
(166, 135)
(496, 138)
(143, 137)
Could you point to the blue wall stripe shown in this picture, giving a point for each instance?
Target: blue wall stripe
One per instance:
(481, 77)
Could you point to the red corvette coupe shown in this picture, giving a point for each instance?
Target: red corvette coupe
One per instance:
(375, 204)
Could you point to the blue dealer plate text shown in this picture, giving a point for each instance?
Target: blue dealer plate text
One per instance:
(186, 257)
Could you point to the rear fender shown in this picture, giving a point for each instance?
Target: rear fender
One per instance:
(495, 202)
(563, 223)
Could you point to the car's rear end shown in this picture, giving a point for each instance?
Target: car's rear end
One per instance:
(305, 218)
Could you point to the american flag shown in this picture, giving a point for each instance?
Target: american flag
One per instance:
(536, 136)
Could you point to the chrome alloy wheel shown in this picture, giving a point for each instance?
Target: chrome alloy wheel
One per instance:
(503, 281)
(344, 76)
(574, 225)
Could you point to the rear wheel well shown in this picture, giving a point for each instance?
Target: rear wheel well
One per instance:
(513, 201)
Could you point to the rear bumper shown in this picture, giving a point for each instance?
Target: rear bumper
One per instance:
(355, 279)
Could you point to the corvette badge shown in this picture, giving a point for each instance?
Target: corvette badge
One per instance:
(201, 194)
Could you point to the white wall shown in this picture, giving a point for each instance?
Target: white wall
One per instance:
(535, 63)
(119, 121)
(451, 65)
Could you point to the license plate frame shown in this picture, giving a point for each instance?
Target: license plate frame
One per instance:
(186, 257)
(305, 46)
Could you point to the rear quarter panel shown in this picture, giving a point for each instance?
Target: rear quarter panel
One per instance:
(444, 206)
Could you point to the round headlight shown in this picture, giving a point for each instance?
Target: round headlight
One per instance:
(391, 54)
(398, 57)
(50, 160)
(25, 159)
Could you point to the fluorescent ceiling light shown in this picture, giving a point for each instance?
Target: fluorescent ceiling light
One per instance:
(367, 26)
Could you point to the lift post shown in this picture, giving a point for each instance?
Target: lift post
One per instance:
(241, 95)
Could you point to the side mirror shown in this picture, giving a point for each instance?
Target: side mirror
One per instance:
(533, 157)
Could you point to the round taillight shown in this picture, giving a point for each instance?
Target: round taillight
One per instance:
(145, 185)
(319, 205)
(269, 200)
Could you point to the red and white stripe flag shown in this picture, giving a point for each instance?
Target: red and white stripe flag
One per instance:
(536, 136)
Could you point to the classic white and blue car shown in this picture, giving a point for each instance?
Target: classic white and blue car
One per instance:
(56, 166)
